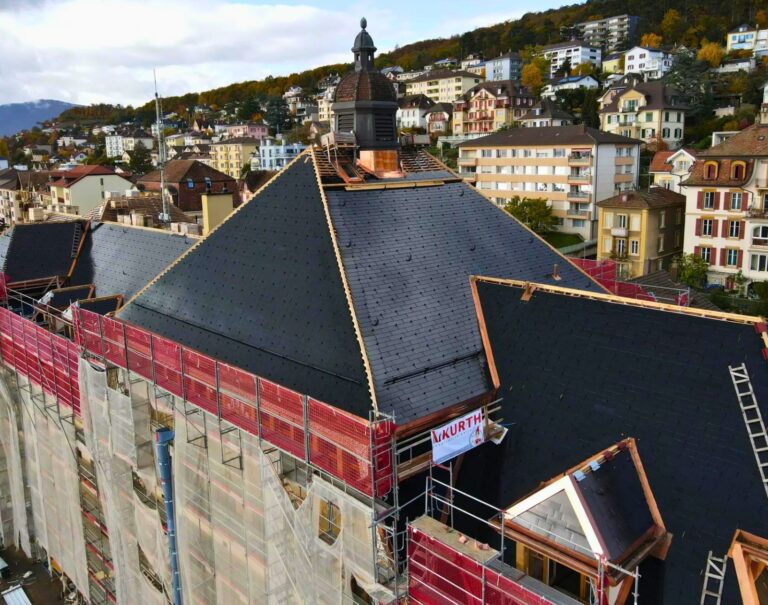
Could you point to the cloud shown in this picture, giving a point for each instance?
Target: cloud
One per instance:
(85, 51)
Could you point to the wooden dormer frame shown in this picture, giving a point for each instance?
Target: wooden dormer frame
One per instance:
(750, 558)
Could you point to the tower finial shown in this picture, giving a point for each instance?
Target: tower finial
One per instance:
(363, 23)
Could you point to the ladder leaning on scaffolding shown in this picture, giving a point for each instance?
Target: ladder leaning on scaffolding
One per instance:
(753, 419)
(714, 577)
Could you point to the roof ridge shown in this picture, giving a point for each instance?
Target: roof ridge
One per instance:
(345, 284)
(207, 235)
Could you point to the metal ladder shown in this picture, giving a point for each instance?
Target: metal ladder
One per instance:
(714, 577)
(752, 418)
(78, 235)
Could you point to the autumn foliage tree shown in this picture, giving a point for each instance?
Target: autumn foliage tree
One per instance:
(711, 53)
(532, 78)
(651, 40)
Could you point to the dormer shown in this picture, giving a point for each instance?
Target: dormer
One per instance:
(738, 170)
(711, 168)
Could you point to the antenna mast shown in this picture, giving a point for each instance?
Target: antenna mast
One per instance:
(165, 215)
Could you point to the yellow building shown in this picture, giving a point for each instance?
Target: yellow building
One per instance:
(490, 106)
(646, 111)
(614, 64)
(230, 155)
(641, 230)
(442, 86)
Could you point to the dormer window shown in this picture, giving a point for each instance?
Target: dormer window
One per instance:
(710, 171)
(738, 170)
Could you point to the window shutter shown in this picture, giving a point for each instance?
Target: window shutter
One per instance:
(744, 202)
(716, 200)
(742, 229)
(697, 250)
(724, 230)
(700, 200)
(723, 257)
(726, 201)
(698, 226)
(739, 257)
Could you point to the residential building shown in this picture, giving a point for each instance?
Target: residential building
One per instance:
(609, 34)
(392, 72)
(571, 53)
(439, 118)
(275, 153)
(117, 144)
(746, 37)
(300, 106)
(84, 187)
(642, 230)
(647, 111)
(187, 181)
(572, 167)
(489, 106)
(504, 67)
(229, 420)
(651, 63)
(231, 154)
(249, 129)
(324, 101)
(569, 83)
(544, 114)
(21, 190)
(442, 86)
(669, 168)
(730, 66)
(443, 64)
(70, 141)
(613, 63)
(412, 111)
(472, 62)
(727, 206)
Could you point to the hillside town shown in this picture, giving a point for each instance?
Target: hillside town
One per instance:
(487, 331)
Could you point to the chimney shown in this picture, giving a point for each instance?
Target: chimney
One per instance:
(624, 197)
(216, 207)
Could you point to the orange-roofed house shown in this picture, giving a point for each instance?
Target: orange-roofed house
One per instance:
(669, 168)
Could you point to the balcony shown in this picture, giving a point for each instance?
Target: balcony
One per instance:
(757, 213)
(583, 177)
(574, 213)
(580, 159)
(467, 161)
(619, 231)
(578, 196)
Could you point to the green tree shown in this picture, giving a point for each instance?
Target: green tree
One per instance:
(692, 80)
(248, 109)
(141, 159)
(277, 115)
(565, 68)
(533, 212)
(692, 270)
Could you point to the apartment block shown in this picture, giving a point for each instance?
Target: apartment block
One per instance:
(572, 167)
(747, 37)
(727, 206)
(610, 33)
(641, 230)
(442, 86)
(651, 63)
(647, 111)
(230, 155)
(572, 52)
(504, 67)
(490, 106)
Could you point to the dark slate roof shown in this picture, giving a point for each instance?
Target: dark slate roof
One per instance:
(119, 259)
(39, 250)
(578, 374)
(263, 292)
(408, 254)
(549, 135)
(102, 306)
(664, 280)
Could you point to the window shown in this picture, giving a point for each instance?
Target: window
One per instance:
(710, 170)
(486, 153)
(634, 247)
(679, 216)
(621, 221)
(733, 228)
(648, 116)
(731, 257)
(665, 133)
(678, 133)
(621, 246)
(661, 243)
(736, 201)
(329, 522)
(706, 254)
(737, 171)
(190, 184)
(709, 200)
(758, 262)
(706, 227)
(760, 233)
(662, 219)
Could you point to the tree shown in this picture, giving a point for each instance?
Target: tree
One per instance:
(692, 270)
(711, 53)
(4, 151)
(277, 114)
(248, 109)
(584, 69)
(141, 159)
(692, 80)
(565, 68)
(532, 78)
(533, 212)
(651, 40)
(761, 18)
(672, 26)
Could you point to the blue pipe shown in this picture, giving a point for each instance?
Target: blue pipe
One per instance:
(163, 439)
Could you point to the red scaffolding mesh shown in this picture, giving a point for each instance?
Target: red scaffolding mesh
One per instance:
(349, 448)
(439, 575)
(48, 360)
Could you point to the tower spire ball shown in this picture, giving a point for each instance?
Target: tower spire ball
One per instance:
(363, 23)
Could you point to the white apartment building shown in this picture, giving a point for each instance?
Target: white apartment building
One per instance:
(412, 111)
(572, 167)
(609, 33)
(274, 153)
(116, 144)
(652, 63)
(504, 67)
(727, 206)
(574, 51)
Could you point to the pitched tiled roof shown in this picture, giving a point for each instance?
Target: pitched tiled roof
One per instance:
(550, 135)
(441, 107)
(655, 197)
(752, 141)
(365, 86)
(67, 178)
(415, 101)
(151, 205)
(696, 178)
(177, 171)
(658, 95)
(578, 373)
(659, 162)
(549, 110)
(499, 88)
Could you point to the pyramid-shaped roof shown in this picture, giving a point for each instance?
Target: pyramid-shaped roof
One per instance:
(355, 294)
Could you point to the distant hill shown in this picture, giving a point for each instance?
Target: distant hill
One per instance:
(21, 116)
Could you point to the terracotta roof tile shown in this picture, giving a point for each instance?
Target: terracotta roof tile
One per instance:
(659, 161)
(655, 197)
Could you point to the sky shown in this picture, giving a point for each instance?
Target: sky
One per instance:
(94, 51)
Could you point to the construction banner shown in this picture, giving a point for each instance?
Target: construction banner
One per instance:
(458, 436)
